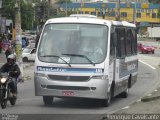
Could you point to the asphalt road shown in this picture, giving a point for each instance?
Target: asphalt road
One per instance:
(31, 107)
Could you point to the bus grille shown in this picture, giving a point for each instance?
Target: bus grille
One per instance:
(69, 78)
(69, 87)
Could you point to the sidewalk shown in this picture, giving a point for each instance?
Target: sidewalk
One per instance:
(149, 104)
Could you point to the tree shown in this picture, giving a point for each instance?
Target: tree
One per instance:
(27, 15)
(154, 1)
(8, 11)
(63, 1)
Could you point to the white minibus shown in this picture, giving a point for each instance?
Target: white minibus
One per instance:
(85, 57)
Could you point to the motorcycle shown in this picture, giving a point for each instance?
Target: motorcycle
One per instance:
(5, 91)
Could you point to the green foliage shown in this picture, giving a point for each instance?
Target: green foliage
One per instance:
(27, 13)
(154, 1)
(8, 11)
(63, 1)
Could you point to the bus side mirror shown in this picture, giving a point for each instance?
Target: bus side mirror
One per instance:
(114, 39)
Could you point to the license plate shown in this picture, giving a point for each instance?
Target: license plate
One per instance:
(67, 93)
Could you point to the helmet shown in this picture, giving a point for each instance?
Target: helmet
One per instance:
(11, 59)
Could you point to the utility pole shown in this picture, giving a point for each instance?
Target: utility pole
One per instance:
(118, 11)
(18, 36)
(66, 8)
(135, 12)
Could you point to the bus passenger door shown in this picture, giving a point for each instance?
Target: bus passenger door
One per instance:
(113, 75)
(119, 57)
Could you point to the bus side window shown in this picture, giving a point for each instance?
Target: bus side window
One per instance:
(134, 41)
(113, 43)
(118, 53)
(121, 51)
(128, 42)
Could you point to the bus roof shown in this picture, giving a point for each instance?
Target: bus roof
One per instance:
(123, 23)
(89, 19)
(83, 15)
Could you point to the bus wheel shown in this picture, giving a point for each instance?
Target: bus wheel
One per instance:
(107, 101)
(48, 100)
(125, 93)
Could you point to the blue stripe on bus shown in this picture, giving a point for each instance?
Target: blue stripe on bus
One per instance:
(73, 70)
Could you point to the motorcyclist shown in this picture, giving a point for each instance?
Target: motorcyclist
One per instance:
(14, 71)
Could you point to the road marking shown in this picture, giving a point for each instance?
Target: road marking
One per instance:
(114, 111)
(147, 64)
(125, 107)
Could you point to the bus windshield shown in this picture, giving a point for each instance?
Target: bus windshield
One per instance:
(73, 43)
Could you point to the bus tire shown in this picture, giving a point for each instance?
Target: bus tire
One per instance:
(106, 102)
(110, 95)
(125, 93)
(48, 100)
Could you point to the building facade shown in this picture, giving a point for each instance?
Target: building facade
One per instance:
(142, 1)
(130, 11)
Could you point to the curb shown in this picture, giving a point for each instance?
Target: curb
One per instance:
(148, 99)
(28, 65)
(153, 97)
(26, 78)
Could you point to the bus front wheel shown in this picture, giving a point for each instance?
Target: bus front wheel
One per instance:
(106, 102)
(125, 93)
(48, 100)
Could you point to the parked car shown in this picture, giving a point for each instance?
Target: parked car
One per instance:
(28, 54)
(146, 48)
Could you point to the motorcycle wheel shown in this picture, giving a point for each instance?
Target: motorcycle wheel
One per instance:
(13, 101)
(3, 101)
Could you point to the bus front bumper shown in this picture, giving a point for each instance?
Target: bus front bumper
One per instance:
(94, 88)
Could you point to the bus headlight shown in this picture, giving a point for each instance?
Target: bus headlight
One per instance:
(100, 77)
(41, 75)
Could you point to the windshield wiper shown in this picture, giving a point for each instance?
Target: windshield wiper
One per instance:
(81, 56)
(58, 57)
